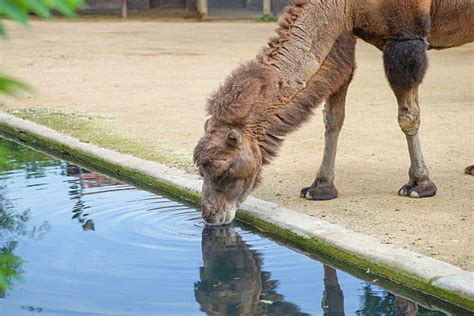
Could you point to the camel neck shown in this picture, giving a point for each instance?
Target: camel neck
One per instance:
(305, 36)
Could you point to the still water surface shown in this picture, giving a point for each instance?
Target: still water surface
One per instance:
(75, 242)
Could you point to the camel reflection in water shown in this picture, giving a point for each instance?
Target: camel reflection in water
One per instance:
(333, 298)
(232, 282)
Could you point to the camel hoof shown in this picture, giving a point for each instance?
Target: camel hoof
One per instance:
(418, 189)
(469, 170)
(320, 192)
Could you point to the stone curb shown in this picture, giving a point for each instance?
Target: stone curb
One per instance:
(428, 275)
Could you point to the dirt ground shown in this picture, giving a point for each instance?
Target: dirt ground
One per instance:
(142, 87)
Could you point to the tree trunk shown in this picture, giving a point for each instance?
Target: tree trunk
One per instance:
(124, 9)
(267, 7)
(202, 8)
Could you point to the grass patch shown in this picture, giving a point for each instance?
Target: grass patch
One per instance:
(91, 129)
(267, 18)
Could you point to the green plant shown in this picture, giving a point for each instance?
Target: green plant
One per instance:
(9, 86)
(9, 269)
(267, 18)
(19, 11)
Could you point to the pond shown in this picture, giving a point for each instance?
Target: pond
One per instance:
(76, 242)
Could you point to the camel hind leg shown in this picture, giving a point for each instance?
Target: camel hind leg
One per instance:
(405, 66)
(469, 170)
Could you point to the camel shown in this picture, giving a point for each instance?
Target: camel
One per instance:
(311, 60)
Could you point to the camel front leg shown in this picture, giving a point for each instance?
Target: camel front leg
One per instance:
(334, 111)
(333, 297)
(419, 184)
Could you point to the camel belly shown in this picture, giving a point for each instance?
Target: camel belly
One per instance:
(452, 23)
(445, 23)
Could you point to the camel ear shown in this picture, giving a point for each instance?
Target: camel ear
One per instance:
(233, 138)
(207, 125)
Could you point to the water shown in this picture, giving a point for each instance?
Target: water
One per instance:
(75, 242)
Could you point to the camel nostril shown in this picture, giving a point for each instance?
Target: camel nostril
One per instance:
(208, 218)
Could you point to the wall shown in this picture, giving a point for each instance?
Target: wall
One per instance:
(112, 6)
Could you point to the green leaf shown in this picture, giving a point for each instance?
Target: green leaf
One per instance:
(18, 10)
(3, 283)
(21, 4)
(12, 10)
(66, 8)
(10, 86)
(9, 268)
(39, 8)
(78, 4)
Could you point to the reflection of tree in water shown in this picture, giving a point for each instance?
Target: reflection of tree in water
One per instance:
(10, 265)
(386, 304)
(231, 281)
(13, 227)
(15, 157)
(14, 224)
(376, 303)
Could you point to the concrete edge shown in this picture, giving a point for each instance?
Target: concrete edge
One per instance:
(427, 275)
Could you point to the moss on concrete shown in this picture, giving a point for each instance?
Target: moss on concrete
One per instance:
(91, 129)
(65, 152)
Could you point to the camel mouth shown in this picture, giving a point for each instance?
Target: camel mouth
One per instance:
(223, 218)
(215, 224)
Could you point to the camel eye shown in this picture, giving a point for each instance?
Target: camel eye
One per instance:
(200, 171)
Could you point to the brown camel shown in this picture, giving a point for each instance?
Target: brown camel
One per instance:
(311, 60)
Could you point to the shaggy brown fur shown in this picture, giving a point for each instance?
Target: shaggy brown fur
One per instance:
(255, 98)
(310, 59)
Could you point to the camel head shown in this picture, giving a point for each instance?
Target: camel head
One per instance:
(230, 162)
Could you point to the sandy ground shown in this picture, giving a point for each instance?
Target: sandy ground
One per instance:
(147, 82)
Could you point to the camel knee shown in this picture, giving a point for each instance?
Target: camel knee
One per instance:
(334, 110)
(409, 122)
(333, 121)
